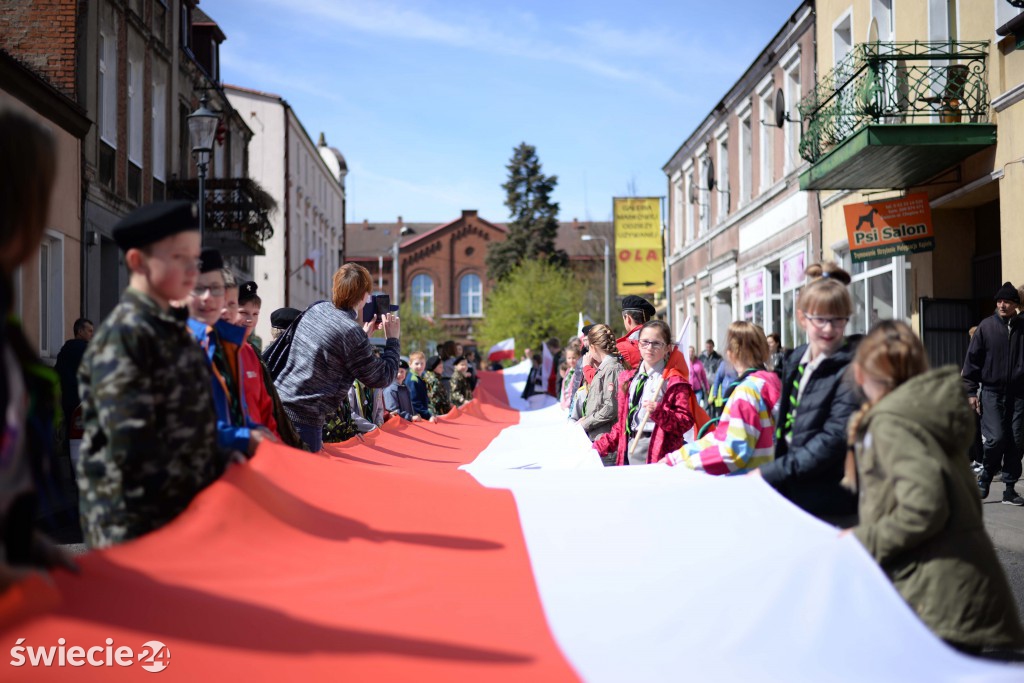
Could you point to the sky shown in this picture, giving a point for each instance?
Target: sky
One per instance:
(427, 99)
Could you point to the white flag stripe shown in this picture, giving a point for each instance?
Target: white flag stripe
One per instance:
(653, 573)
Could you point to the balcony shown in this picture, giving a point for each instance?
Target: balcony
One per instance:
(896, 115)
(237, 213)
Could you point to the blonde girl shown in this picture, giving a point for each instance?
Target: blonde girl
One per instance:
(745, 435)
(816, 402)
(920, 514)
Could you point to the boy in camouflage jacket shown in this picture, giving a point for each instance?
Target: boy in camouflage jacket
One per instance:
(462, 389)
(150, 441)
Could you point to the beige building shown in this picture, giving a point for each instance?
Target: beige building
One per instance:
(741, 231)
(922, 96)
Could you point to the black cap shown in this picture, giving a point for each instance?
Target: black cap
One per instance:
(210, 260)
(403, 365)
(247, 292)
(432, 362)
(1008, 293)
(153, 222)
(282, 318)
(586, 329)
(637, 303)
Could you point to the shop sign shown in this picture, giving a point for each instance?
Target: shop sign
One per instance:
(753, 287)
(885, 229)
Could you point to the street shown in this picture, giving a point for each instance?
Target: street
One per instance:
(1005, 525)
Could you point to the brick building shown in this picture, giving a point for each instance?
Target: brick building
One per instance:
(442, 268)
(37, 77)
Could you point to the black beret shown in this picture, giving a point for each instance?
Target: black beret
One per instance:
(153, 222)
(247, 292)
(1008, 293)
(587, 328)
(637, 303)
(210, 260)
(432, 362)
(282, 318)
(403, 365)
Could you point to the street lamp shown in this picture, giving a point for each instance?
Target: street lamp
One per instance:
(202, 126)
(607, 274)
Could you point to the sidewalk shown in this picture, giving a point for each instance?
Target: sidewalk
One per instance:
(1005, 525)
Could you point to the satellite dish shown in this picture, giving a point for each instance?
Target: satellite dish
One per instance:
(780, 109)
(709, 175)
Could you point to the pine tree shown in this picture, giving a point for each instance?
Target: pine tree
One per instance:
(533, 224)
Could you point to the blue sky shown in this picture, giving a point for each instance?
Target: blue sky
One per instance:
(427, 98)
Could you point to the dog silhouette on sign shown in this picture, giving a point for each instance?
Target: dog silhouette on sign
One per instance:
(868, 218)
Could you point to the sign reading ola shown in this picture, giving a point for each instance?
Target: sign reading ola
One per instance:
(889, 228)
(639, 267)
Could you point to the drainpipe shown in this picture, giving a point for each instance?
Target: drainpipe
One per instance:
(287, 210)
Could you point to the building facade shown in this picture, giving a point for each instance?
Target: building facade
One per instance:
(740, 230)
(307, 183)
(37, 78)
(922, 96)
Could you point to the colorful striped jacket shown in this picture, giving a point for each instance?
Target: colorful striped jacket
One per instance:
(744, 437)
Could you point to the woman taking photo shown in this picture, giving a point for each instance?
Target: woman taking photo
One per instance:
(330, 349)
(602, 406)
(655, 403)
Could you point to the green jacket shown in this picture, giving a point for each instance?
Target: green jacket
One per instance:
(920, 513)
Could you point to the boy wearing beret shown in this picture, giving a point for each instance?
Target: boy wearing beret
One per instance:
(636, 311)
(150, 436)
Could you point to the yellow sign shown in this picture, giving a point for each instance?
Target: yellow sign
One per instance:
(640, 265)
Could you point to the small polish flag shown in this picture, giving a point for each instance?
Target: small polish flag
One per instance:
(579, 328)
(503, 350)
(314, 257)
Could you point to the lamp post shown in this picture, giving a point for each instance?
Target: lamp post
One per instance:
(395, 269)
(202, 126)
(607, 274)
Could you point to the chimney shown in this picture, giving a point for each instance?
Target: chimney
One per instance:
(366, 224)
(469, 213)
(400, 223)
(576, 225)
(323, 140)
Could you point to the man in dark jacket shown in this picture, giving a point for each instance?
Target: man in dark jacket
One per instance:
(710, 358)
(68, 360)
(994, 378)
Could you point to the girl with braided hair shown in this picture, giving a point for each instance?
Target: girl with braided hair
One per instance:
(602, 407)
(920, 514)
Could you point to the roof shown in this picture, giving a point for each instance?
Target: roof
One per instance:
(371, 239)
(201, 18)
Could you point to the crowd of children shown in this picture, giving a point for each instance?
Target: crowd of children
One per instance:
(859, 433)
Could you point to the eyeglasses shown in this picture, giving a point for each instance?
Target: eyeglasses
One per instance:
(647, 344)
(215, 290)
(821, 322)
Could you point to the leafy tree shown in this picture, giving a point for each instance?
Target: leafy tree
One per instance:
(419, 333)
(537, 300)
(534, 217)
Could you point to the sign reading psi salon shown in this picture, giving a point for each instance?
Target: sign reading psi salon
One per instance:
(889, 228)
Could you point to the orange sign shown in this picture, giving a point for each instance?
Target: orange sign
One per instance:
(891, 228)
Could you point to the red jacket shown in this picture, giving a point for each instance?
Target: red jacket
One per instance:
(257, 398)
(672, 418)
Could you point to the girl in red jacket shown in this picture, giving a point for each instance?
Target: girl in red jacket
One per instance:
(658, 389)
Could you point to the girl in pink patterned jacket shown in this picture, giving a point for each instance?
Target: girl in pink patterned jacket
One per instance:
(744, 437)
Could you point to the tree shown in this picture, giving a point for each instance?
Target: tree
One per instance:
(533, 224)
(537, 300)
(419, 333)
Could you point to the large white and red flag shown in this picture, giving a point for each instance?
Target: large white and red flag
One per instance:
(503, 350)
(491, 546)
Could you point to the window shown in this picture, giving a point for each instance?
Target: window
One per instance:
(842, 39)
(754, 297)
(722, 182)
(423, 296)
(107, 87)
(792, 269)
(159, 116)
(746, 158)
(186, 26)
(678, 210)
(882, 18)
(470, 295)
(704, 198)
(767, 140)
(135, 110)
(691, 194)
(51, 295)
(793, 95)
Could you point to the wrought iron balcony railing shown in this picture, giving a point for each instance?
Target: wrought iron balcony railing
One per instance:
(236, 207)
(894, 83)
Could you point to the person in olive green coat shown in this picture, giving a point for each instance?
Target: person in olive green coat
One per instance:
(920, 514)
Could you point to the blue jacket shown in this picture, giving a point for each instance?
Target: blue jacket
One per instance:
(397, 399)
(418, 394)
(229, 435)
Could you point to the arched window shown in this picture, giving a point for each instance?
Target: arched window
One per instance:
(423, 296)
(471, 295)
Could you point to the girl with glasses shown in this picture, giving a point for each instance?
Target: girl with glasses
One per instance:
(816, 402)
(656, 405)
